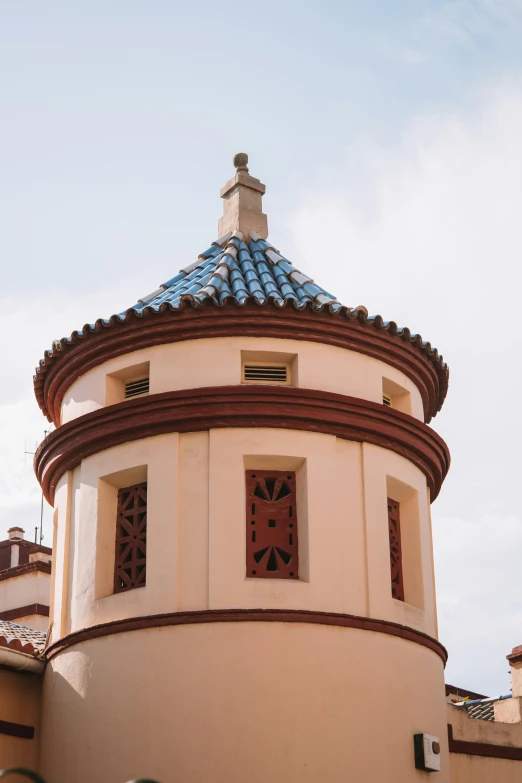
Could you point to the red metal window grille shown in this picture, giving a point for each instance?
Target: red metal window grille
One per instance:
(271, 525)
(394, 529)
(130, 569)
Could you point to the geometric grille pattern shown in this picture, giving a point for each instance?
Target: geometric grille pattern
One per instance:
(394, 529)
(130, 568)
(271, 525)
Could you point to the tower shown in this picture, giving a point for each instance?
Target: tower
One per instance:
(241, 474)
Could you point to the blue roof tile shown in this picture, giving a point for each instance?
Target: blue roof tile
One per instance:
(239, 270)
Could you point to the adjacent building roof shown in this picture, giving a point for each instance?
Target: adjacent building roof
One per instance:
(22, 639)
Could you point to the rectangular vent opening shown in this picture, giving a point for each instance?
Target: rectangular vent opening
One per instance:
(265, 373)
(136, 387)
(386, 400)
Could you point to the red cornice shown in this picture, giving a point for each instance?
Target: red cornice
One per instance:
(207, 408)
(482, 748)
(249, 616)
(24, 611)
(26, 568)
(26, 545)
(346, 329)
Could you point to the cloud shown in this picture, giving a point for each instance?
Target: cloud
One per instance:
(427, 232)
(31, 330)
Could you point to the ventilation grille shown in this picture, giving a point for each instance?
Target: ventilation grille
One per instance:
(265, 373)
(386, 400)
(133, 388)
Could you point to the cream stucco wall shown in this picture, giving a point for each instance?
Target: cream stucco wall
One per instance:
(29, 588)
(196, 528)
(483, 769)
(20, 696)
(242, 701)
(236, 701)
(217, 362)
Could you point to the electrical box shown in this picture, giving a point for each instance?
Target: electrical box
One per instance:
(427, 752)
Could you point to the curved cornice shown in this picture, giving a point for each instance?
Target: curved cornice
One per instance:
(249, 616)
(282, 407)
(349, 329)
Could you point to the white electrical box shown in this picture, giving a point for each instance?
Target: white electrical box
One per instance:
(427, 752)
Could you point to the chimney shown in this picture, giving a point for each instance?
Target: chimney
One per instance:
(510, 710)
(243, 210)
(16, 534)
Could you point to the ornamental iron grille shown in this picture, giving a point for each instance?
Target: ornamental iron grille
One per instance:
(394, 530)
(271, 525)
(130, 567)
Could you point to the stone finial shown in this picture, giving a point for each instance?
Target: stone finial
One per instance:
(242, 196)
(240, 161)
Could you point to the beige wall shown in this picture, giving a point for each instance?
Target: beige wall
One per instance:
(242, 701)
(30, 588)
(482, 769)
(196, 528)
(36, 621)
(20, 696)
(217, 362)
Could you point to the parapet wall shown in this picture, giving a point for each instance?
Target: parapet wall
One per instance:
(483, 751)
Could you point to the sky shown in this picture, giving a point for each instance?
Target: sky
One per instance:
(389, 138)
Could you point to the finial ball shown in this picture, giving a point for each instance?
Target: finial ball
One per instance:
(240, 161)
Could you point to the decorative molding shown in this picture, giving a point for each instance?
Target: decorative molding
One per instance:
(16, 729)
(286, 407)
(348, 329)
(26, 568)
(248, 616)
(25, 611)
(482, 748)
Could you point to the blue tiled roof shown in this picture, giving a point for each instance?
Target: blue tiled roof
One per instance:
(237, 268)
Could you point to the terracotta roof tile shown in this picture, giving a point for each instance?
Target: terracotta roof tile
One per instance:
(22, 639)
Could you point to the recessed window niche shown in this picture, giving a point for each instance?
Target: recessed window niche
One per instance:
(276, 518)
(108, 534)
(272, 368)
(127, 383)
(396, 396)
(405, 512)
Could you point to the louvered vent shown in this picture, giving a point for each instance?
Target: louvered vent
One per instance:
(386, 400)
(133, 388)
(265, 373)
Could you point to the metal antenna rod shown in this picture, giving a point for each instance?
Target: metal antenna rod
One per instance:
(46, 433)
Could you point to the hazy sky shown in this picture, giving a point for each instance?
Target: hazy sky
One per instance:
(389, 138)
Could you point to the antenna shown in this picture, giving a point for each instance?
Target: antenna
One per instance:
(36, 532)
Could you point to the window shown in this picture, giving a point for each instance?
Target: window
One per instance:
(255, 372)
(271, 525)
(273, 368)
(131, 538)
(394, 530)
(396, 396)
(136, 387)
(127, 383)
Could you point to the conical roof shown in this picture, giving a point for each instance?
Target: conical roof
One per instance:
(235, 287)
(237, 267)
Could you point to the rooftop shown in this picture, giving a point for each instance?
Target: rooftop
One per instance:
(241, 267)
(21, 639)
